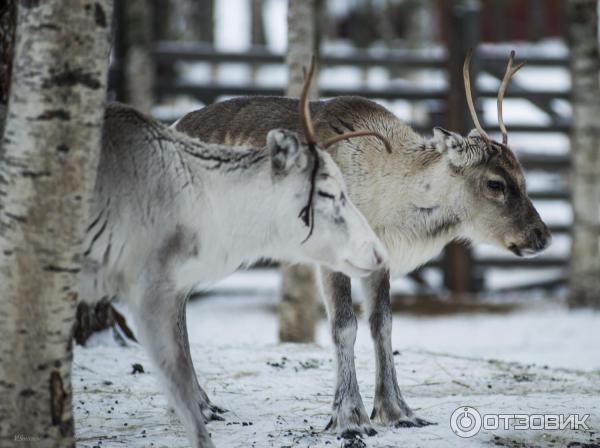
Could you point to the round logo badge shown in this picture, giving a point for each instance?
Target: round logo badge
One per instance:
(465, 421)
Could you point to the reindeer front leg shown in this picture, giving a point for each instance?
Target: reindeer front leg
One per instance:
(349, 415)
(389, 406)
(160, 319)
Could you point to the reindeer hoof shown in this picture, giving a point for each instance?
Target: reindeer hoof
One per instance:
(354, 442)
(413, 423)
(212, 413)
(351, 422)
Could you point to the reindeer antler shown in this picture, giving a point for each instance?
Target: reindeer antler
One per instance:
(510, 71)
(307, 124)
(307, 212)
(305, 118)
(467, 78)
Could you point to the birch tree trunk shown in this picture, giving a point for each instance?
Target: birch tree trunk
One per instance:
(299, 306)
(50, 153)
(584, 279)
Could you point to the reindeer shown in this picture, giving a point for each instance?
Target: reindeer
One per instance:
(171, 213)
(427, 192)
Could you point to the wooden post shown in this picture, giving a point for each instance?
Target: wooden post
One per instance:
(461, 32)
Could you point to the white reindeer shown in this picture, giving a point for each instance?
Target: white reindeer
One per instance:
(419, 196)
(171, 213)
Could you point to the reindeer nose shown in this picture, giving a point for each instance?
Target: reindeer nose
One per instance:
(541, 238)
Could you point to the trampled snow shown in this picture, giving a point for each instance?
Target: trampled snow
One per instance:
(541, 359)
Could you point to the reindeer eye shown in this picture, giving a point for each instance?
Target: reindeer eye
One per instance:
(495, 185)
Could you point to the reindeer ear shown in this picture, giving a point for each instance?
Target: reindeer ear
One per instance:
(458, 149)
(445, 140)
(285, 149)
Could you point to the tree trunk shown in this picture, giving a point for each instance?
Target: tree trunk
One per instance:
(257, 26)
(200, 21)
(137, 38)
(187, 20)
(299, 307)
(302, 45)
(50, 153)
(584, 278)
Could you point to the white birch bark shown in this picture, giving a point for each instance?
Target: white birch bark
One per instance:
(584, 278)
(299, 305)
(50, 152)
(301, 45)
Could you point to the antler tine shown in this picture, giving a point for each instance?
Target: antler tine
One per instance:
(510, 71)
(348, 135)
(305, 118)
(467, 79)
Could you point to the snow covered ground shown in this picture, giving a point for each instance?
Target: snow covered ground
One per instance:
(543, 359)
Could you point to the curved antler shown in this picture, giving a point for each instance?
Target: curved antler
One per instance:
(348, 135)
(467, 79)
(510, 71)
(307, 212)
(307, 124)
(305, 118)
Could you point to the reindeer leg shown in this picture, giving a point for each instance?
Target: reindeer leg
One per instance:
(209, 410)
(389, 406)
(349, 415)
(160, 319)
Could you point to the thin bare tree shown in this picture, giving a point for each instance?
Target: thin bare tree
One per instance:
(257, 24)
(584, 279)
(49, 156)
(137, 36)
(299, 305)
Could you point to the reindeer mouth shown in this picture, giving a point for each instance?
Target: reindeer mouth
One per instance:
(515, 250)
(526, 252)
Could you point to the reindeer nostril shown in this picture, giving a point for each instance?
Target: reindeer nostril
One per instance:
(540, 238)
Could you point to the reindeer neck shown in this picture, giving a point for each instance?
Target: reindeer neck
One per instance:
(253, 212)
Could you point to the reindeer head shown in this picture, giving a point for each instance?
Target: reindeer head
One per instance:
(333, 231)
(496, 202)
